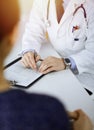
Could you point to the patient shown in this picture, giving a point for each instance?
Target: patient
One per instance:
(23, 111)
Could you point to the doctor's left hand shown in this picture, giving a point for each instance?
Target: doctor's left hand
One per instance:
(50, 64)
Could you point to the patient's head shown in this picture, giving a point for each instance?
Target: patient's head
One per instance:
(9, 16)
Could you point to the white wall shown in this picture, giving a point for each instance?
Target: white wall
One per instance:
(25, 6)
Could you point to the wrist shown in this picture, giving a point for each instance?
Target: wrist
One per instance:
(64, 66)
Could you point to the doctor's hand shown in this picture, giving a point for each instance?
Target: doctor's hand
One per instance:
(51, 64)
(29, 60)
(80, 120)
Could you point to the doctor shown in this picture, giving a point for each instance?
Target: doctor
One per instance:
(69, 26)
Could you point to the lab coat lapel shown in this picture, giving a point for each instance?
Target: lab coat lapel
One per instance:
(73, 4)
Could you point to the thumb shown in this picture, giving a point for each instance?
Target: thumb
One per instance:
(73, 115)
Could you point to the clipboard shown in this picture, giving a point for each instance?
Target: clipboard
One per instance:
(19, 76)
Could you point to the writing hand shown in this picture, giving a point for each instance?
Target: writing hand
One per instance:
(29, 60)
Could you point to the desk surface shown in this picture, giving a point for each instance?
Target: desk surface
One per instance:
(62, 85)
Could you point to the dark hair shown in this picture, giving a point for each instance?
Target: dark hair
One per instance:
(9, 16)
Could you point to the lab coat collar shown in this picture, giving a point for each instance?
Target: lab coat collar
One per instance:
(72, 5)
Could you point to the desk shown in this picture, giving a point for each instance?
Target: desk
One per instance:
(63, 84)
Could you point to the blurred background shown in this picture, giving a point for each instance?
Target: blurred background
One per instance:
(25, 6)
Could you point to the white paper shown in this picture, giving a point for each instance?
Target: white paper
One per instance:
(23, 76)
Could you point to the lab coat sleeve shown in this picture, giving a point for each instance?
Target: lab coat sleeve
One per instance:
(85, 59)
(35, 29)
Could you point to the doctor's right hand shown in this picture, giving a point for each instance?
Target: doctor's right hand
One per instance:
(29, 59)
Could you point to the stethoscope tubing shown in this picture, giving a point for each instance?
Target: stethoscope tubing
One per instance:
(81, 6)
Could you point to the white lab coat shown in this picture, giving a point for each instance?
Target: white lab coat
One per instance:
(61, 35)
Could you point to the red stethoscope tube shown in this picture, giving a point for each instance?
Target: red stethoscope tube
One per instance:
(81, 6)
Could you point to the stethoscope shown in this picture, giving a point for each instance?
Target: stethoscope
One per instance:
(48, 23)
(85, 14)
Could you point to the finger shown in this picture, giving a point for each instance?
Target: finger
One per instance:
(48, 70)
(24, 63)
(73, 115)
(31, 61)
(28, 62)
(81, 113)
(84, 117)
(43, 67)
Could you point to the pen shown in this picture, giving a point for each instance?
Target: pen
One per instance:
(40, 59)
(35, 55)
(13, 62)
